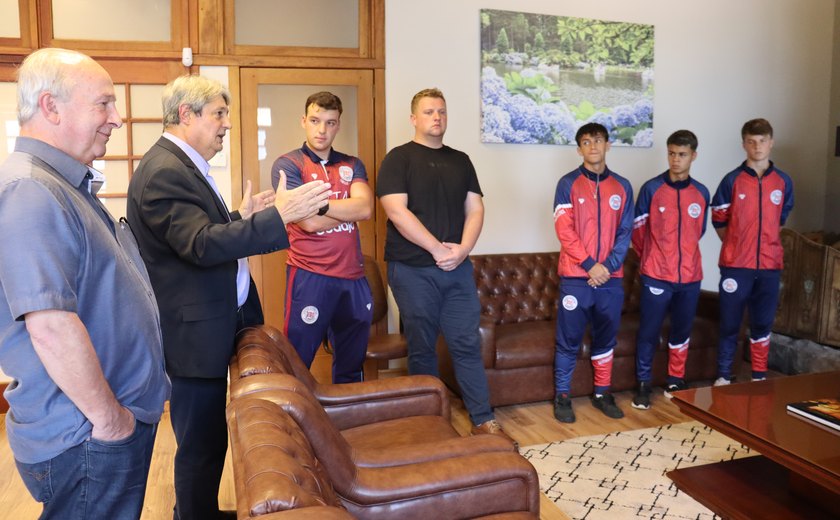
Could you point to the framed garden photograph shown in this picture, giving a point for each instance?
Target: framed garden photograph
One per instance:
(544, 76)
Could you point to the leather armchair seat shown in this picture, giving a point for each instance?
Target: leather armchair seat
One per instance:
(519, 297)
(288, 456)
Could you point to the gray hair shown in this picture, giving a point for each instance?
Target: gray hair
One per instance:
(194, 91)
(46, 70)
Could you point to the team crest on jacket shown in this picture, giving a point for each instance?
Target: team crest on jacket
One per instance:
(729, 285)
(776, 197)
(346, 174)
(309, 314)
(694, 210)
(570, 303)
(615, 202)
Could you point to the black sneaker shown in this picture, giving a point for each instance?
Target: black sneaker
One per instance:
(674, 387)
(563, 409)
(606, 403)
(642, 398)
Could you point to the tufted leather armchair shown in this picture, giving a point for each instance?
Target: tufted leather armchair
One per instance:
(519, 297)
(287, 455)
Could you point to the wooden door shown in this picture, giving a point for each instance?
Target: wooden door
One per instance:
(271, 106)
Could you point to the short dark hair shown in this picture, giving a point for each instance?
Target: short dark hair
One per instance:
(325, 100)
(592, 129)
(759, 126)
(683, 138)
(426, 92)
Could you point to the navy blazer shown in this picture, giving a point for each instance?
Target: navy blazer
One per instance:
(190, 245)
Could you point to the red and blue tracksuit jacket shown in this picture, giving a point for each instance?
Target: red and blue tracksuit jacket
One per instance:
(593, 219)
(753, 209)
(670, 219)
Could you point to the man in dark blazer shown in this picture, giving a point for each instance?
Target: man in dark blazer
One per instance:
(196, 253)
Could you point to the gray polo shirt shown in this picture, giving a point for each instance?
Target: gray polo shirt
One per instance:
(61, 250)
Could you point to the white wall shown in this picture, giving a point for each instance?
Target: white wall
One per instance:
(718, 64)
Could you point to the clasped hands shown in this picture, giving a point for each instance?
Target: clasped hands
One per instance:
(293, 205)
(598, 275)
(449, 255)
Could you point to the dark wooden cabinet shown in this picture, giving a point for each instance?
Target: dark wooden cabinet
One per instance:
(809, 297)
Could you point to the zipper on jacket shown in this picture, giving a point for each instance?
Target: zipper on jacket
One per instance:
(679, 238)
(760, 207)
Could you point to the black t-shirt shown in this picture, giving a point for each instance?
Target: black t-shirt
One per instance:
(436, 181)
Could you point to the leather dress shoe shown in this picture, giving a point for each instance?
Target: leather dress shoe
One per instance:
(492, 427)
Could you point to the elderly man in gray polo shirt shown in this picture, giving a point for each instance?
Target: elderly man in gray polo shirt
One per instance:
(79, 328)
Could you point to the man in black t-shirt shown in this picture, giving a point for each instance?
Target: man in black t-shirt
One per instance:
(431, 195)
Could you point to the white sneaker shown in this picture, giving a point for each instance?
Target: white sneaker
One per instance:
(721, 381)
(759, 378)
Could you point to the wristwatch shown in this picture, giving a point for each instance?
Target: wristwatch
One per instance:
(323, 209)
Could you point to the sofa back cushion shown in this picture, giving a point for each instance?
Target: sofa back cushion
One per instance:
(514, 288)
(521, 287)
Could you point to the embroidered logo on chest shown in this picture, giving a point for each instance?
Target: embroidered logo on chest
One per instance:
(346, 174)
(662, 209)
(694, 210)
(742, 196)
(776, 197)
(615, 202)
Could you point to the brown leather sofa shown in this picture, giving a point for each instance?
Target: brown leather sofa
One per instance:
(518, 294)
(287, 455)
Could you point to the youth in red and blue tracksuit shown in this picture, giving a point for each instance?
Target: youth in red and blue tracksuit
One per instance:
(670, 219)
(327, 294)
(753, 209)
(593, 218)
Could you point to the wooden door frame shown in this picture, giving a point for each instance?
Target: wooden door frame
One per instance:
(249, 80)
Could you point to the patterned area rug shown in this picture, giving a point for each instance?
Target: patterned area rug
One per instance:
(622, 475)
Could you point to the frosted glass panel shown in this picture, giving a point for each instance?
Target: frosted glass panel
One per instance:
(116, 176)
(118, 144)
(146, 101)
(119, 91)
(10, 20)
(112, 20)
(292, 23)
(285, 104)
(144, 135)
(116, 206)
(8, 118)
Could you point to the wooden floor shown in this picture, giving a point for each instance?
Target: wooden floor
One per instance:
(529, 424)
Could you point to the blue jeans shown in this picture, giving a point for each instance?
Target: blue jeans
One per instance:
(94, 480)
(432, 301)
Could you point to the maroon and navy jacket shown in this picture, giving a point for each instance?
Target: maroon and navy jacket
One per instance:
(670, 219)
(753, 209)
(593, 218)
(335, 252)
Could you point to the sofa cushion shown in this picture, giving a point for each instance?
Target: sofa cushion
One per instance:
(526, 344)
(517, 288)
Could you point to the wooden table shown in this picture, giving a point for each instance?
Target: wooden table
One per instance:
(797, 474)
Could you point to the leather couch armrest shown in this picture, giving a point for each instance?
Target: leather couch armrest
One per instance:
(308, 513)
(354, 404)
(428, 486)
(487, 330)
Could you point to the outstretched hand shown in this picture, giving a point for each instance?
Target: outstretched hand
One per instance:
(301, 202)
(256, 203)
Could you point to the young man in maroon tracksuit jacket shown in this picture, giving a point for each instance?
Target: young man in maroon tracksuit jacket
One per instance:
(749, 208)
(671, 213)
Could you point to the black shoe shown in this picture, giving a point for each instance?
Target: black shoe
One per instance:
(674, 387)
(563, 409)
(642, 398)
(606, 403)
